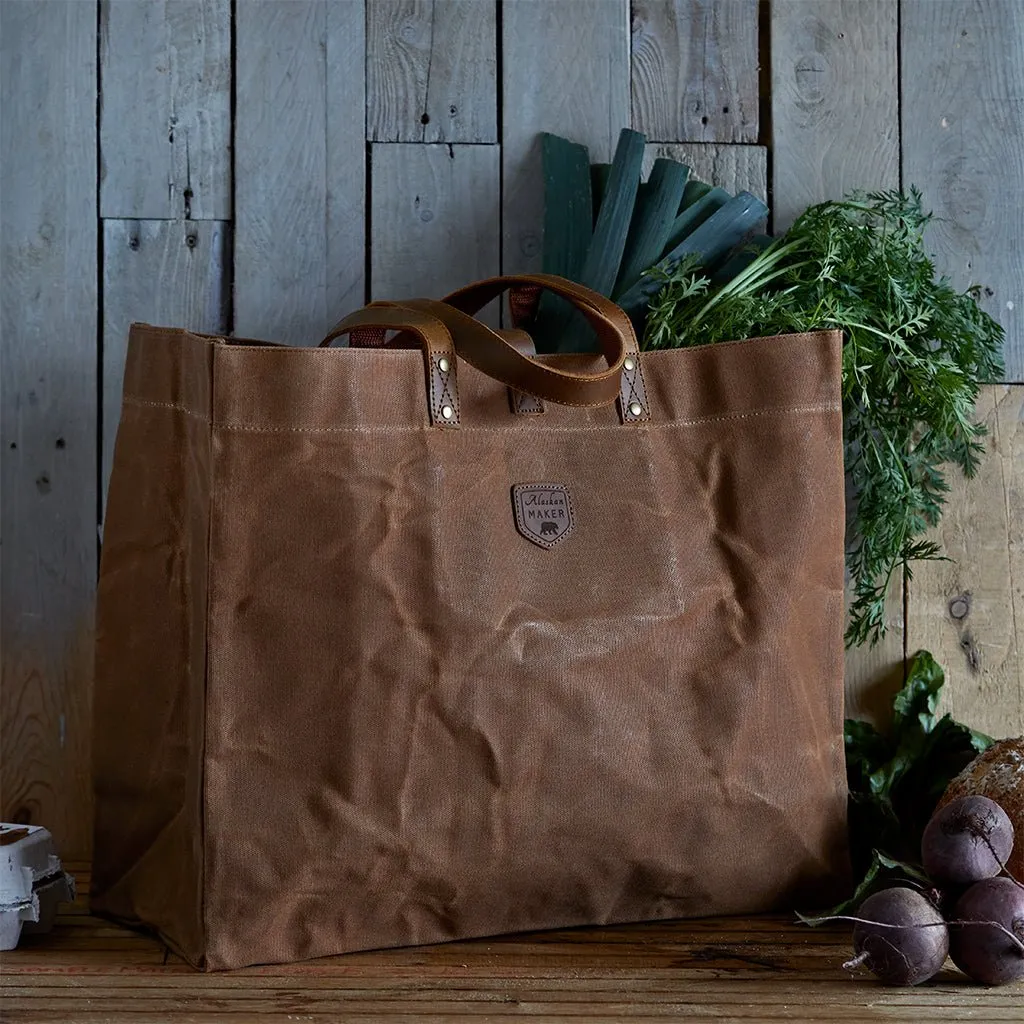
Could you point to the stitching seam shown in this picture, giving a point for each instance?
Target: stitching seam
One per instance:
(132, 400)
(256, 428)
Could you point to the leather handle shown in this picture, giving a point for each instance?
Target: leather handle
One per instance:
(495, 357)
(489, 352)
(435, 340)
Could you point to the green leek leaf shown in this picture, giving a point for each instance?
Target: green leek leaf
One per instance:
(567, 205)
(723, 230)
(656, 204)
(694, 215)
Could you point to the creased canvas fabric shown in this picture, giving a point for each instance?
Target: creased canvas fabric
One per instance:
(343, 703)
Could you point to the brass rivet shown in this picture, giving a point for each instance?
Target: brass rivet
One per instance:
(629, 364)
(635, 408)
(442, 364)
(447, 412)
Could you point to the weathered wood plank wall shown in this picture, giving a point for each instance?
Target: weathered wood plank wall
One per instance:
(49, 410)
(835, 127)
(265, 166)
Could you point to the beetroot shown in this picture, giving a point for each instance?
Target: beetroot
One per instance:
(967, 840)
(983, 950)
(905, 955)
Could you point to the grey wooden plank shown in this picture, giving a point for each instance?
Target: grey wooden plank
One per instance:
(963, 146)
(835, 128)
(165, 108)
(434, 216)
(834, 96)
(734, 168)
(431, 71)
(563, 74)
(166, 272)
(695, 70)
(300, 166)
(48, 388)
(981, 647)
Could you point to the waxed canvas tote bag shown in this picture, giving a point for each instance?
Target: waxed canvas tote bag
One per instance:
(426, 638)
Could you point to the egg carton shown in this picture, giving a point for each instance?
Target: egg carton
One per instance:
(32, 882)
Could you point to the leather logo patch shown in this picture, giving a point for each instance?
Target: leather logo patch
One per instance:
(543, 512)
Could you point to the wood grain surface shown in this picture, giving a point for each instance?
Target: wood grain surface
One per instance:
(834, 101)
(565, 69)
(873, 674)
(835, 127)
(431, 71)
(963, 146)
(694, 70)
(166, 272)
(753, 970)
(300, 167)
(165, 108)
(434, 218)
(969, 611)
(48, 412)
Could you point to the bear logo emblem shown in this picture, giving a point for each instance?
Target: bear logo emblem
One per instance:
(543, 513)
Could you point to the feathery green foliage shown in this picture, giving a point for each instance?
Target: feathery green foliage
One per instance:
(915, 354)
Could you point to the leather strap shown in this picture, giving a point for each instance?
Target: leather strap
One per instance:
(435, 340)
(489, 354)
(612, 325)
(523, 300)
(522, 403)
(495, 355)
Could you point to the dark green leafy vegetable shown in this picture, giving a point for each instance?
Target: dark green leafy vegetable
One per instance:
(897, 778)
(604, 255)
(708, 244)
(741, 258)
(656, 205)
(568, 206)
(695, 190)
(599, 175)
(568, 224)
(915, 355)
(694, 215)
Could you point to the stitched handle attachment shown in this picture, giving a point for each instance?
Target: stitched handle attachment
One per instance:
(438, 352)
(492, 354)
(498, 357)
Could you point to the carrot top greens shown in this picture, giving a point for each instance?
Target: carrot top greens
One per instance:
(915, 354)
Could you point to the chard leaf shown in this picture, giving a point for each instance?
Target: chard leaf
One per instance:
(896, 780)
(919, 697)
(882, 873)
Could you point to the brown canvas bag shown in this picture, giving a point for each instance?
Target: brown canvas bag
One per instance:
(398, 645)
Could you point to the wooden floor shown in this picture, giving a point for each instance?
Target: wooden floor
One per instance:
(762, 969)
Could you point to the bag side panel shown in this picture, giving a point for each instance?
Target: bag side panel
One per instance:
(151, 643)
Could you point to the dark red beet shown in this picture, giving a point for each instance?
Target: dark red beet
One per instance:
(966, 841)
(906, 955)
(982, 951)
